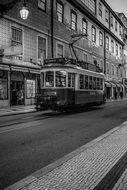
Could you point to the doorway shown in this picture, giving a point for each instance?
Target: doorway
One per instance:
(16, 93)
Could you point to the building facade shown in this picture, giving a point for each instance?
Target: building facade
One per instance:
(95, 30)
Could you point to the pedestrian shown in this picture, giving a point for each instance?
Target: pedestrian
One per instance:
(115, 94)
(121, 94)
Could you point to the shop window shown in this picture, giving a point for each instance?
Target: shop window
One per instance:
(60, 11)
(3, 85)
(16, 37)
(30, 88)
(42, 4)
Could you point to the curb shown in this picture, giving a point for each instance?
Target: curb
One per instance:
(17, 112)
(26, 181)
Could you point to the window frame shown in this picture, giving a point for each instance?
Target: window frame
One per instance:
(93, 34)
(14, 40)
(112, 46)
(43, 37)
(116, 49)
(100, 38)
(44, 5)
(100, 9)
(106, 15)
(57, 50)
(60, 13)
(83, 28)
(107, 43)
(73, 21)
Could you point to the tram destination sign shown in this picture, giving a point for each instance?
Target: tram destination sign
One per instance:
(55, 60)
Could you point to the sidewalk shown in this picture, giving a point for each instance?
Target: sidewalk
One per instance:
(98, 165)
(17, 110)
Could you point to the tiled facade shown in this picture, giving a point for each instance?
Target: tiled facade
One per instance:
(48, 31)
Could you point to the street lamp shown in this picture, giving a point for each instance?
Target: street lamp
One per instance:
(24, 11)
(5, 6)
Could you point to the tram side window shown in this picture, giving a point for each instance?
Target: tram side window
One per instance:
(71, 80)
(49, 79)
(81, 82)
(86, 82)
(42, 79)
(101, 84)
(90, 82)
(98, 84)
(94, 83)
(60, 79)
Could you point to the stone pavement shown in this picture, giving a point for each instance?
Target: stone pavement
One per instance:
(17, 110)
(98, 165)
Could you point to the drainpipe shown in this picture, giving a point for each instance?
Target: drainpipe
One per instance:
(104, 54)
(52, 26)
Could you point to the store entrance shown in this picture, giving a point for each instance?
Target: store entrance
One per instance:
(16, 93)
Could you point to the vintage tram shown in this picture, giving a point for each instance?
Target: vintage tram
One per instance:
(67, 85)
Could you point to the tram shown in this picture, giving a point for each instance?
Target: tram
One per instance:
(67, 85)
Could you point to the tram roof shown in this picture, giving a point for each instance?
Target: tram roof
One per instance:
(71, 66)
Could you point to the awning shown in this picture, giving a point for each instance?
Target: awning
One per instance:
(4, 67)
(21, 69)
(107, 84)
(34, 71)
(122, 85)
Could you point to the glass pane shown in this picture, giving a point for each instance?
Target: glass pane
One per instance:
(60, 79)
(49, 79)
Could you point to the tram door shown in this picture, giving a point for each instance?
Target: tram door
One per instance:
(16, 93)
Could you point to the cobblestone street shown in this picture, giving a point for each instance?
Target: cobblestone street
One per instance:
(85, 168)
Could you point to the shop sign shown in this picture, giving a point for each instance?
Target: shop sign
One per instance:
(30, 88)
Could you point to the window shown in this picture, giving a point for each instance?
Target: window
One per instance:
(86, 82)
(108, 68)
(16, 37)
(111, 21)
(49, 79)
(94, 83)
(100, 9)
(101, 39)
(85, 57)
(90, 82)
(112, 46)
(120, 49)
(116, 49)
(84, 26)
(106, 15)
(113, 70)
(93, 34)
(116, 26)
(60, 79)
(41, 48)
(73, 21)
(90, 4)
(120, 30)
(59, 50)
(81, 82)
(71, 80)
(107, 43)
(60, 11)
(42, 4)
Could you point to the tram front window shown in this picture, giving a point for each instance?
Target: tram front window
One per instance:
(49, 79)
(60, 79)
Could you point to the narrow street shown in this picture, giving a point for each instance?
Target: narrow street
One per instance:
(31, 141)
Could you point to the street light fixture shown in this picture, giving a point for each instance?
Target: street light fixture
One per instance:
(24, 11)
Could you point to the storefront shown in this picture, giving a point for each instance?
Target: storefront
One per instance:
(108, 89)
(18, 85)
